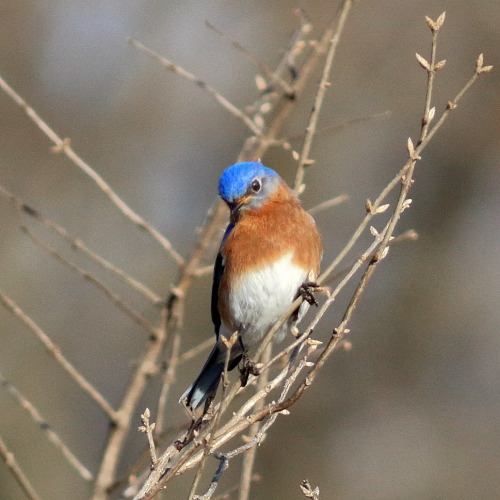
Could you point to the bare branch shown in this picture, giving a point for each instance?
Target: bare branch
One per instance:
(308, 491)
(55, 351)
(115, 299)
(17, 472)
(325, 205)
(148, 429)
(271, 75)
(52, 436)
(64, 146)
(175, 68)
(320, 95)
(78, 244)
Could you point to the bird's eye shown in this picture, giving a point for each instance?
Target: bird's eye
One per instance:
(256, 185)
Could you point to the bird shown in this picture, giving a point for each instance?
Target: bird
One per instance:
(269, 255)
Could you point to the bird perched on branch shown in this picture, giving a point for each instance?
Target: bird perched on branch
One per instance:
(269, 255)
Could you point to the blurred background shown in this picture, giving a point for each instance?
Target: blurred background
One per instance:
(413, 410)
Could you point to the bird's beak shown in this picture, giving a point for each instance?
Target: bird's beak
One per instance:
(237, 204)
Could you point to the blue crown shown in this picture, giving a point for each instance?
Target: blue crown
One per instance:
(236, 179)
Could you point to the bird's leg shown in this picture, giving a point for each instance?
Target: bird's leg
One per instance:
(248, 367)
(307, 291)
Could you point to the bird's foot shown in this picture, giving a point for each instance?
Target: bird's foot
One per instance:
(307, 291)
(248, 367)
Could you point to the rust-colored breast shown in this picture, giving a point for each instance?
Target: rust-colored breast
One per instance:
(262, 236)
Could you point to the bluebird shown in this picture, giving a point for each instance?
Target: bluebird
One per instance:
(270, 254)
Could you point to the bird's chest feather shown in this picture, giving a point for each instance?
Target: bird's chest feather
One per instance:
(263, 268)
(261, 296)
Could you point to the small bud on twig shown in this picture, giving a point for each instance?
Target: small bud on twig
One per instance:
(382, 208)
(479, 65)
(261, 83)
(435, 25)
(411, 150)
(439, 65)
(423, 62)
(431, 114)
(406, 204)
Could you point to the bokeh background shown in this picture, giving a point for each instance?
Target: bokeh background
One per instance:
(413, 410)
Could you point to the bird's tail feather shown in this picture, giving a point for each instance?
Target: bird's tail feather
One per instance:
(208, 380)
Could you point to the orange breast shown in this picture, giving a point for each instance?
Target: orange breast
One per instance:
(262, 236)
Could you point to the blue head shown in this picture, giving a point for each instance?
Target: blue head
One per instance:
(247, 185)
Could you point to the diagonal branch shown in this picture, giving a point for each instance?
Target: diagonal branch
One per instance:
(55, 351)
(52, 436)
(17, 472)
(175, 68)
(305, 161)
(64, 146)
(78, 244)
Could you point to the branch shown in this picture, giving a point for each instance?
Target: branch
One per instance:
(64, 146)
(55, 352)
(52, 436)
(17, 472)
(178, 70)
(78, 244)
(318, 101)
(115, 299)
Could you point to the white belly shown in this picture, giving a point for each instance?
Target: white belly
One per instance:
(263, 296)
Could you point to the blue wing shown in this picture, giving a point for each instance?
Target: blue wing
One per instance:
(218, 271)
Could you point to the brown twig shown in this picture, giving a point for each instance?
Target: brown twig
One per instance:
(52, 436)
(308, 491)
(17, 472)
(55, 352)
(324, 83)
(168, 379)
(325, 205)
(249, 458)
(64, 146)
(78, 244)
(148, 428)
(87, 276)
(214, 422)
(271, 75)
(178, 70)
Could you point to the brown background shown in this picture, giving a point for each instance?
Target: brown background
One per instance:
(413, 411)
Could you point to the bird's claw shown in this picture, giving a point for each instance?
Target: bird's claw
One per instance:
(306, 291)
(248, 368)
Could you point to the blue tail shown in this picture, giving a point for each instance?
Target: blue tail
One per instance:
(209, 378)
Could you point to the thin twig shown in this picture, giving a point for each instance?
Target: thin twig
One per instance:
(52, 436)
(194, 351)
(320, 95)
(148, 429)
(55, 351)
(223, 465)
(249, 458)
(273, 77)
(78, 244)
(214, 423)
(325, 205)
(17, 472)
(115, 299)
(178, 70)
(64, 146)
(308, 491)
(168, 380)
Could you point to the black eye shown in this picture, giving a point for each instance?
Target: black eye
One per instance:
(256, 185)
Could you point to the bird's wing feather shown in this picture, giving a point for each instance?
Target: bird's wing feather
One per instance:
(218, 272)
